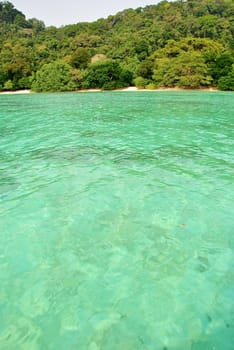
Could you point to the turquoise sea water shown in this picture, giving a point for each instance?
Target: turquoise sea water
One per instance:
(116, 221)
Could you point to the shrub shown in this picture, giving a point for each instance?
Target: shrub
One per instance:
(140, 82)
(55, 76)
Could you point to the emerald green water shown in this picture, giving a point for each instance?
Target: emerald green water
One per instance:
(116, 221)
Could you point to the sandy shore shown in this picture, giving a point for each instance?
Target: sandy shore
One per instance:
(130, 88)
(15, 92)
(88, 90)
(134, 88)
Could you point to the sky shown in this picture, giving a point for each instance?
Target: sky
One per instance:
(60, 12)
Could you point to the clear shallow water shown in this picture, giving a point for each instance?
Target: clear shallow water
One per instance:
(116, 221)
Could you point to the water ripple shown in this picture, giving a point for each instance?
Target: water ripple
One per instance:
(116, 221)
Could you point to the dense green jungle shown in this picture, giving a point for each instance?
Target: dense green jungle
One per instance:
(187, 44)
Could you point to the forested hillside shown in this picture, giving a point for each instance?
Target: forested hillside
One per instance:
(187, 44)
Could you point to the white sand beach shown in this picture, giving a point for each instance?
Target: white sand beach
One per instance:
(15, 92)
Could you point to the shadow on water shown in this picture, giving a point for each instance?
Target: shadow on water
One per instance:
(8, 184)
(115, 153)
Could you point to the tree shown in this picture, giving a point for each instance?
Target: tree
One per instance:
(140, 82)
(36, 25)
(142, 41)
(55, 76)
(145, 69)
(80, 58)
(219, 64)
(16, 62)
(183, 63)
(8, 13)
(106, 74)
(227, 82)
(187, 70)
(8, 85)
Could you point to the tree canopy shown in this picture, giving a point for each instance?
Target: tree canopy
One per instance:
(181, 43)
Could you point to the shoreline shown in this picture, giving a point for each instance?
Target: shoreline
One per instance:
(128, 89)
(15, 92)
(134, 88)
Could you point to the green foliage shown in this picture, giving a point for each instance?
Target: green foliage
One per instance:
(183, 63)
(15, 62)
(55, 76)
(36, 25)
(8, 85)
(187, 70)
(106, 74)
(151, 86)
(174, 48)
(2, 78)
(219, 64)
(185, 43)
(140, 82)
(227, 82)
(145, 68)
(9, 14)
(24, 83)
(80, 58)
